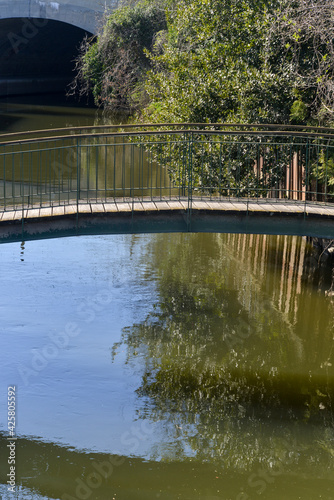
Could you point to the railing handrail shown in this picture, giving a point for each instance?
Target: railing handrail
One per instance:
(263, 133)
(272, 127)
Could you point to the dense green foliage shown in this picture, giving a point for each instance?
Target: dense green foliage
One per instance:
(215, 61)
(215, 66)
(304, 32)
(245, 61)
(113, 68)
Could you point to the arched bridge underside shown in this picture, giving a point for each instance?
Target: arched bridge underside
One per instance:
(119, 216)
(167, 178)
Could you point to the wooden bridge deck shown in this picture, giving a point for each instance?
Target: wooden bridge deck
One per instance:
(113, 206)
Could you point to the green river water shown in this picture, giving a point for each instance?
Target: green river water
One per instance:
(164, 366)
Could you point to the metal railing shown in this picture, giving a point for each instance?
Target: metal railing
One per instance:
(166, 161)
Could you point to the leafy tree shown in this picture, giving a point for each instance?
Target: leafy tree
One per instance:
(210, 61)
(243, 62)
(215, 61)
(247, 61)
(213, 65)
(113, 67)
(304, 30)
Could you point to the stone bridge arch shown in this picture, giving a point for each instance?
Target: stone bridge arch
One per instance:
(39, 41)
(84, 14)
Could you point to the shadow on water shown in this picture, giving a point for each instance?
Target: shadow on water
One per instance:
(53, 471)
(58, 472)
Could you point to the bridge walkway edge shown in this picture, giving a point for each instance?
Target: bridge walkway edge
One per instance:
(120, 216)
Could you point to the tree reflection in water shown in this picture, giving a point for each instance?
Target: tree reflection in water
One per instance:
(237, 355)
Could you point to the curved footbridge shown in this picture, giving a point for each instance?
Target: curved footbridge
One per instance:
(166, 215)
(166, 178)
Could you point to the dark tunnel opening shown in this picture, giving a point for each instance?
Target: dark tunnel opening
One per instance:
(37, 55)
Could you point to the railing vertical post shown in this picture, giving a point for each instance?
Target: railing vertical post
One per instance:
(123, 170)
(4, 176)
(291, 186)
(190, 179)
(22, 186)
(326, 172)
(132, 173)
(78, 173)
(316, 195)
(306, 175)
(114, 150)
(97, 148)
(105, 168)
(31, 182)
(308, 188)
(50, 172)
(183, 166)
